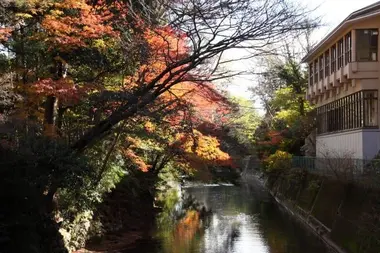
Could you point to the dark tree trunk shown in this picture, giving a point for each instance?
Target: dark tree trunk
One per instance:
(60, 113)
(301, 106)
(123, 113)
(50, 115)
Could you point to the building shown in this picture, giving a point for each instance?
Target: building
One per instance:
(343, 85)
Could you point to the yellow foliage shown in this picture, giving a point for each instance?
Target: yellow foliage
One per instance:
(199, 147)
(280, 160)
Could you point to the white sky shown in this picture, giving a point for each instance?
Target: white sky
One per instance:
(332, 13)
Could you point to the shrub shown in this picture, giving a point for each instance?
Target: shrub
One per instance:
(278, 162)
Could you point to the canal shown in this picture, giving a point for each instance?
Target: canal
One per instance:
(244, 219)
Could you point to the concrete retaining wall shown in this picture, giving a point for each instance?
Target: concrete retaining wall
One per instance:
(346, 216)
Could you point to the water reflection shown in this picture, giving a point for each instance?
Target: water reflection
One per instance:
(244, 220)
(233, 234)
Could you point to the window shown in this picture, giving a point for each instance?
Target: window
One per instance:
(316, 71)
(321, 76)
(333, 58)
(366, 44)
(311, 74)
(340, 53)
(358, 110)
(327, 63)
(348, 48)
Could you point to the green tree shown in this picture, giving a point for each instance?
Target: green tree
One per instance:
(289, 117)
(243, 122)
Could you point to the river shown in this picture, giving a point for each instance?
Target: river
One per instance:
(244, 219)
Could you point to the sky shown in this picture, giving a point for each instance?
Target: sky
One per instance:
(332, 13)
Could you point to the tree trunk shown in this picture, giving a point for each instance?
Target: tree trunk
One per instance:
(60, 112)
(108, 155)
(301, 106)
(51, 103)
(50, 115)
(101, 129)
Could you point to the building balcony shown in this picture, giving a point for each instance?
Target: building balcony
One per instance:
(330, 82)
(333, 80)
(351, 71)
(325, 84)
(362, 70)
(340, 75)
(315, 90)
(320, 85)
(356, 52)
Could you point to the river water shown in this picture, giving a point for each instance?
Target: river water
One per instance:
(244, 219)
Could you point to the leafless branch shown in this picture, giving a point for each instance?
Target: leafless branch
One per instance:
(211, 28)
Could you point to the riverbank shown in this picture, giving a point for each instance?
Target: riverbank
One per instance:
(125, 218)
(343, 215)
(315, 229)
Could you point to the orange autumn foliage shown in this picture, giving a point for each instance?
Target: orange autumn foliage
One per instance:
(5, 33)
(136, 160)
(67, 25)
(207, 103)
(70, 23)
(199, 148)
(275, 138)
(188, 226)
(164, 47)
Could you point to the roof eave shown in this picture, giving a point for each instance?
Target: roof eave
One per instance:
(343, 24)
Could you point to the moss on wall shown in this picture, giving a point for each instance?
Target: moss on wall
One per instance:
(326, 206)
(309, 191)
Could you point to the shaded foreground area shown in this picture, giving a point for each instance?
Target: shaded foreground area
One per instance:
(243, 219)
(126, 217)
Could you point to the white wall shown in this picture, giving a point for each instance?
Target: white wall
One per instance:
(340, 144)
(361, 144)
(371, 143)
